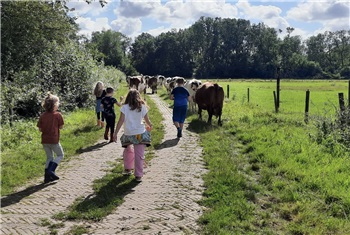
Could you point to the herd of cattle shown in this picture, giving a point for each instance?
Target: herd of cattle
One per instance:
(207, 96)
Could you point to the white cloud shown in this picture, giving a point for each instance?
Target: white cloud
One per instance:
(127, 26)
(88, 26)
(269, 15)
(319, 11)
(332, 15)
(157, 31)
(178, 14)
(82, 8)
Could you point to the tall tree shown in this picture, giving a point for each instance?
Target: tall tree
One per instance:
(142, 54)
(113, 47)
(27, 28)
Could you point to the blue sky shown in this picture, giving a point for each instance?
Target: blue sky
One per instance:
(133, 17)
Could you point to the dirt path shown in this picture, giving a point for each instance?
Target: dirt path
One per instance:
(164, 203)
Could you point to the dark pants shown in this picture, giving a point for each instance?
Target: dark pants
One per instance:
(99, 114)
(110, 120)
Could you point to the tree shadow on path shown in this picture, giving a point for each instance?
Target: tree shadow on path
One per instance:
(109, 195)
(18, 196)
(167, 144)
(95, 147)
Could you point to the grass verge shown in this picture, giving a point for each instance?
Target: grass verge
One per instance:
(269, 175)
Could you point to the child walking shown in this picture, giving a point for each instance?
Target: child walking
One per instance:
(99, 92)
(132, 113)
(181, 96)
(108, 108)
(50, 123)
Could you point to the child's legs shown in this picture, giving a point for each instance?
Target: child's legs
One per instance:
(109, 121)
(58, 150)
(139, 150)
(49, 154)
(102, 116)
(128, 158)
(112, 125)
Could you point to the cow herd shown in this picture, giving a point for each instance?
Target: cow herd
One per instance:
(207, 96)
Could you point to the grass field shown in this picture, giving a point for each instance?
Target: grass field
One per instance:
(270, 173)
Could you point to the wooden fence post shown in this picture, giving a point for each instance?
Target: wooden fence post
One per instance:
(248, 94)
(307, 100)
(228, 91)
(342, 107)
(275, 100)
(278, 87)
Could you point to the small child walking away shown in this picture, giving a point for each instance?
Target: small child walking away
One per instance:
(108, 108)
(50, 123)
(181, 96)
(132, 114)
(99, 92)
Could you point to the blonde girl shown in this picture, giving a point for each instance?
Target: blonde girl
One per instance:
(50, 123)
(99, 92)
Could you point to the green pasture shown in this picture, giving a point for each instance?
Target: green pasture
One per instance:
(323, 94)
(270, 173)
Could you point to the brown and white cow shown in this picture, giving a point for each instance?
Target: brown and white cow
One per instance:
(210, 97)
(137, 82)
(169, 84)
(152, 83)
(192, 87)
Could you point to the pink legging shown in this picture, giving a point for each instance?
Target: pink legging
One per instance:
(134, 156)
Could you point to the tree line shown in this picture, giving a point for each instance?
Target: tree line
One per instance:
(235, 48)
(42, 51)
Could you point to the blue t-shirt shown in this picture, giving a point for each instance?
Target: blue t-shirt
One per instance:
(180, 96)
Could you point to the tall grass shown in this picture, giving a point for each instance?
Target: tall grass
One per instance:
(269, 173)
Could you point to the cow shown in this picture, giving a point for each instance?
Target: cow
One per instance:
(192, 86)
(137, 82)
(152, 83)
(160, 79)
(210, 97)
(169, 84)
(134, 81)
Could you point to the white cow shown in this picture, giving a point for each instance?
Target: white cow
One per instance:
(192, 86)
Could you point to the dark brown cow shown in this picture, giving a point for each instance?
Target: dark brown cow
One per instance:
(134, 81)
(210, 97)
(153, 83)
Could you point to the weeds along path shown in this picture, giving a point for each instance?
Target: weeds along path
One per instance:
(166, 200)
(164, 203)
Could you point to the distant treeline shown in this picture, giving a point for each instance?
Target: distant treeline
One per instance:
(41, 50)
(235, 48)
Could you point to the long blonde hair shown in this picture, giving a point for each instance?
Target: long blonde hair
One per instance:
(50, 102)
(98, 89)
(134, 100)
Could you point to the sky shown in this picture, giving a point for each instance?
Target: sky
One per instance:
(133, 17)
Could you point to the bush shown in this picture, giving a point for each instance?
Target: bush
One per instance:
(68, 71)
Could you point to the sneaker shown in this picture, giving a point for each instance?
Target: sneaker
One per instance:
(138, 179)
(127, 172)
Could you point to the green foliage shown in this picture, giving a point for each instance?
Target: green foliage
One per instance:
(110, 47)
(235, 48)
(269, 174)
(27, 28)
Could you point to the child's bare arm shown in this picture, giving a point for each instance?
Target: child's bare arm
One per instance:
(148, 122)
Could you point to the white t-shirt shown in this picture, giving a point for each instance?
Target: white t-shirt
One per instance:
(133, 124)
